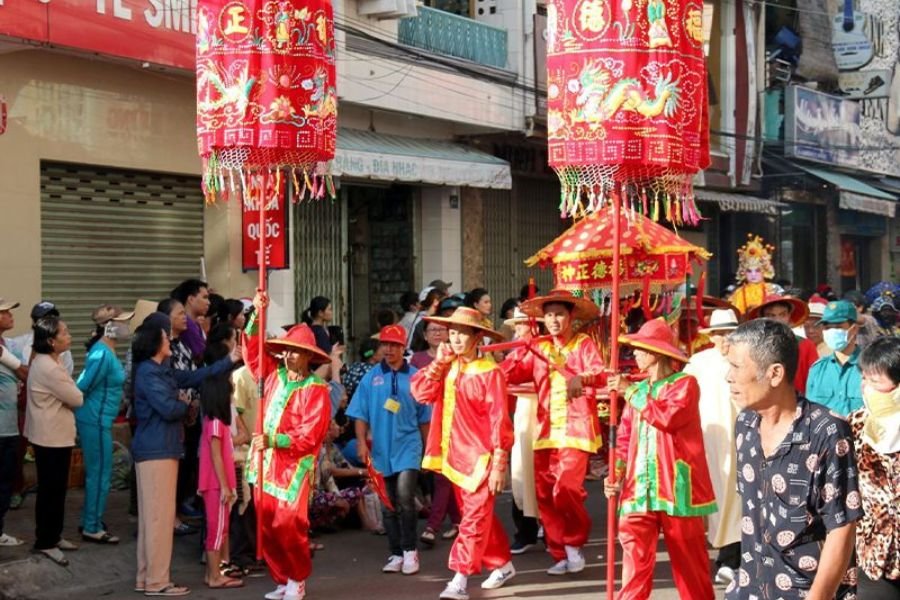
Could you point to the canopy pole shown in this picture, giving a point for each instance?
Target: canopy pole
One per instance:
(613, 402)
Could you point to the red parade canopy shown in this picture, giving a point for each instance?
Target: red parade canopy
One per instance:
(582, 257)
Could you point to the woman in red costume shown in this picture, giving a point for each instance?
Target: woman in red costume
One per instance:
(470, 398)
(661, 470)
(297, 417)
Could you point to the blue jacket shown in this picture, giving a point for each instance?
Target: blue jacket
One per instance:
(101, 382)
(159, 412)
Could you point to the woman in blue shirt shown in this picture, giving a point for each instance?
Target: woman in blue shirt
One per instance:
(157, 445)
(101, 382)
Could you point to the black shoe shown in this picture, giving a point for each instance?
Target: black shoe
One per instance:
(521, 547)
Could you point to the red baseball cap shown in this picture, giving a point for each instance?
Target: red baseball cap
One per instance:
(392, 334)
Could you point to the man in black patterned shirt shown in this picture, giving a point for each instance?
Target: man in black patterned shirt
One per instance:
(796, 477)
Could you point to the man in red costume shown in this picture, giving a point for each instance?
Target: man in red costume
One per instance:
(661, 470)
(297, 416)
(569, 430)
(470, 397)
(793, 312)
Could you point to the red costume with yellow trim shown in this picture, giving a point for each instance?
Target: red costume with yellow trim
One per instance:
(666, 487)
(569, 431)
(296, 420)
(470, 401)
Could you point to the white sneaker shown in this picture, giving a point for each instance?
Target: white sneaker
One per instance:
(499, 577)
(454, 592)
(276, 594)
(394, 564)
(725, 575)
(560, 568)
(8, 540)
(410, 562)
(575, 564)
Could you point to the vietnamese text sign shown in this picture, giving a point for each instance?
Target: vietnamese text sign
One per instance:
(276, 232)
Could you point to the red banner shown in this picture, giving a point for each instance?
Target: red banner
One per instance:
(597, 273)
(160, 32)
(276, 232)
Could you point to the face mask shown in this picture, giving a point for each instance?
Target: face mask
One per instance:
(836, 339)
(116, 331)
(881, 430)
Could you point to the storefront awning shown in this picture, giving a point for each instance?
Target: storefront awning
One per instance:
(383, 157)
(855, 194)
(729, 202)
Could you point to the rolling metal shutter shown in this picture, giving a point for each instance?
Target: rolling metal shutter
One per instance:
(500, 273)
(319, 257)
(516, 225)
(538, 224)
(113, 236)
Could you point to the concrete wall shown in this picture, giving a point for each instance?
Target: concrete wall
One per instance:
(75, 110)
(395, 84)
(441, 235)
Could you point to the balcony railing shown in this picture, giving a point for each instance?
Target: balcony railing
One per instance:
(452, 35)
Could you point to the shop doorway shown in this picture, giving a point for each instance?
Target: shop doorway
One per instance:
(380, 232)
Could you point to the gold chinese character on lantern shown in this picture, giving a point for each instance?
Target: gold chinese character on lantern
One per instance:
(234, 21)
(592, 16)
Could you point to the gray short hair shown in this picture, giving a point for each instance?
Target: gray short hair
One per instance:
(769, 342)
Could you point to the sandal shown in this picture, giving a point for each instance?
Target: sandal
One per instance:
(185, 529)
(428, 536)
(450, 533)
(100, 538)
(55, 555)
(315, 546)
(232, 570)
(170, 590)
(228, 583)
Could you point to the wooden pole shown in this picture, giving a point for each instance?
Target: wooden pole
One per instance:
(613, 403)
(261, 376)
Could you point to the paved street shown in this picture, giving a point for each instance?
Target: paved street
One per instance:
(349, 567)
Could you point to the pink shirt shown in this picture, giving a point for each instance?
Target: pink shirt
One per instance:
(214, 428)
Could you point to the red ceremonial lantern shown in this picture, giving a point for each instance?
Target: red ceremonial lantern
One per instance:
(627, 103)
(266, 98)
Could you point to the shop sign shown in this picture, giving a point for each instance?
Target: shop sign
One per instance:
(826, 129)
(821, 127)
(868, 204)
(276, 232)
(159, 32)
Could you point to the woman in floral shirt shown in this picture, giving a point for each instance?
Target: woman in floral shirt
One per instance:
(876, 437)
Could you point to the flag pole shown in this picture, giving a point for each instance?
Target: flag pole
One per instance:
(261, 333)
(613, 403)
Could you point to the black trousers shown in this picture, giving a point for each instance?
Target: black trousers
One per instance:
(526, 527)
(53, 481)
(400, 524)
(242, 528)
(8, 464)
(729, 556)
(880, 589)
(189, 466)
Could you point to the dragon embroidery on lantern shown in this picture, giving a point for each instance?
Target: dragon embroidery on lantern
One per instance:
(225, 88)
(600, 98)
